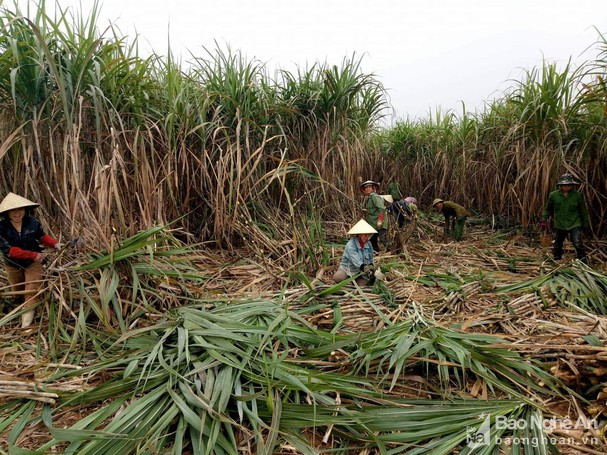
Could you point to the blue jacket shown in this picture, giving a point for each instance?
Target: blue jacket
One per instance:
(354, 256)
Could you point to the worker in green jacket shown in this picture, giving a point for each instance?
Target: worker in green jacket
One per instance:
(567, 209)
(394, 191)
(455, 217)
(375, 209)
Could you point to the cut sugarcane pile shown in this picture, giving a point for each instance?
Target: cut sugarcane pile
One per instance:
(349, 316)
(576, 284)
(525, 305)
(454, 301)
(441, 295)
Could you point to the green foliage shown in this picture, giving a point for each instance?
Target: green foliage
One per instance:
(387, 295)
(577, 285)
(56, 63)
(200, 377)
(313, 241)
(148, 273)
(388, 353)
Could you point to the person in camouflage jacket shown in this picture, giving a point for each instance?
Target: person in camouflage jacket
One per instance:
(375, 213)
(568, 211)
(455, 217)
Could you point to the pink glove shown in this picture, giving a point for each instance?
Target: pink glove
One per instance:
(544, 224)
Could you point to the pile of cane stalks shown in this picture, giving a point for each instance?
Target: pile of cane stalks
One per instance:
(162, 347)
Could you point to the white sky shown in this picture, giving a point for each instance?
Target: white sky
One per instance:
(426, 53)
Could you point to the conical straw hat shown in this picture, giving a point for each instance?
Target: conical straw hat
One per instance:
(362, 227)
(388, 198)
(14, 201)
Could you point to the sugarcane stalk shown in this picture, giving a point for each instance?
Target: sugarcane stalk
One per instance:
(29, 394)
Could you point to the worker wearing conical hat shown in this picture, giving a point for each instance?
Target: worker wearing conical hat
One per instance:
(455, 217)
(358, 255)
(375, 209)
(20, 237)
(566, 207)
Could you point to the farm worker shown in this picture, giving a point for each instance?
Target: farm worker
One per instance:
(375, 209)
(412, 202)
(20, 237)
(569, 214)
(394, 191)
(358, 255)
(455, 217)
(404, 210)
(387, 199)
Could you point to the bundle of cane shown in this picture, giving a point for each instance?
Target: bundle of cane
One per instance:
(25, 390)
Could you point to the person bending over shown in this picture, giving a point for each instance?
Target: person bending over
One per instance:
(455, 217)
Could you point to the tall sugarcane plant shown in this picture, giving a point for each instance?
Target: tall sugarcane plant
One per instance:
(131, 123)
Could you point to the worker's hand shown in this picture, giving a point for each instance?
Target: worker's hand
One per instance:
(379, 224)
(367, 270)
(544, 225)
(40, 257)
(379, 275)
(59, 246)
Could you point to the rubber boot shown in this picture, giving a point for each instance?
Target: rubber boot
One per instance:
(27, 319)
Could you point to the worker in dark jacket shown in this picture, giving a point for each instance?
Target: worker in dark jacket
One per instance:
(455, 217)
(20, 238)
(375, 209)
(568, 211)
(404, 210)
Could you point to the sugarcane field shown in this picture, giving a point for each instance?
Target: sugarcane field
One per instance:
(214, 257)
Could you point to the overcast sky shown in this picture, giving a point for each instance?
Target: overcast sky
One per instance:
(426, 53)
